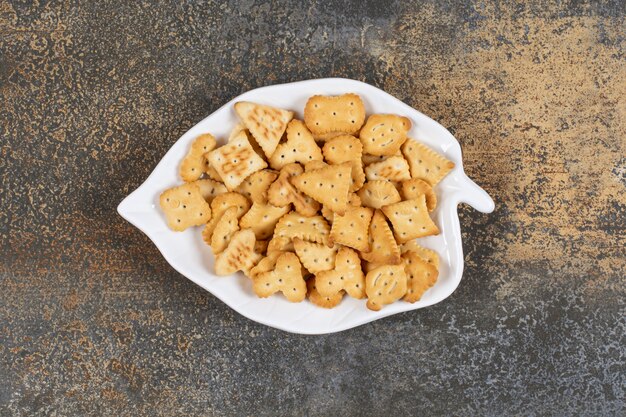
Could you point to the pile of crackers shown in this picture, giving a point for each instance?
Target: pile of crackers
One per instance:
(318, 208)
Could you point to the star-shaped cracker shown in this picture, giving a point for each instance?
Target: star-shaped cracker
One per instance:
(425, 163)
(299, 147)
(410, 219)
(346, 276)
(329, 185)
(267, 124)
(286, 277)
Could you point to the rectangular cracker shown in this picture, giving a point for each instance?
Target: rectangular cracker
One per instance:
(184, 207)
(383, 134)
(344, 113)
(235, 161)
(410, 219)
(425, 163)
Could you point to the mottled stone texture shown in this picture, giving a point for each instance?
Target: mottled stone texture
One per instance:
(94, 322)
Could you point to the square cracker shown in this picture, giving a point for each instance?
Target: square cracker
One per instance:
(425, 163)
(193, 165)
(299, 147)
(266, 124)
(383, 134)
(352, 228)
(329, 185)
(235, 161)
(343, 114)
(410, 219)
(184, 207)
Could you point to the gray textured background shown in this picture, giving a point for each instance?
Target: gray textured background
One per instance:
(94, 322)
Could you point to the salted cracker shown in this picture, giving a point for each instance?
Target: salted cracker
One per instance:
(262, 219)
(210, 188)
(286, 277)
(280, 244)
(315, 257)
(346, 148)
(383, 134)
(329, 185)
(193, 164)
(344, 113)
(352, 228)
(235, 161)
(426, 254)
(266, 264)
(266, 124)
(384, 285)
(219, 205)
(421, 275)
(255, 186)
(414, 187)
(282, 192)
(346, 276)
(425, 163)
(410, 219)
(299, 147)
(394, 168)
(383, 246)
(184, 207)
(312, 229)
(239, 255)
(226, 226)
(378, 193)
(319, 300)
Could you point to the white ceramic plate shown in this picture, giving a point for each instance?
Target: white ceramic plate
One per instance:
(190, 256)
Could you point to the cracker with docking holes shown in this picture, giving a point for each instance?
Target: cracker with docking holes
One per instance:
(325, 114)
(299, 147)
(426, 254)
(410, 219)
(286, 277)
(421, 275)
(219, 205)
(383, 246)
(239, 255)
(235, 161)
(266, 264)
(255, 186)
(384, 285)
(315, 257)
(193, 165)
(282, 192)
(313, 229)
(184, 207)
(414, 187)
(425, 163)
(266, 124)
(378, 193)
(210, 188)
(346, 148)
(383, 134)
(329, 185)
(226, 226)
(262, 219)
(280, 244)
(319, 300)
(346, 276)
(352, 228)
(394, 168)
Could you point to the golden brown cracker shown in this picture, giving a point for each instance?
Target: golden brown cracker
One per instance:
(394, 168)
(210, 188)
(266, 124)
(421, 275)
(344, 113)
(414, 187)
(329, 185)
(282, 192)
(314, 165)
(235, 161)
(260, 246)
(425, 163)
(352, 228)
(383, 134)
(225, 227)
(383, 246)
(193, 165)
(219, 205)
(379, 193)
(384, 285)
(315, 257)
(210, 172)
(313, 229)
(280, 244)
(266, 264)
(286, 277)
(426, 254)
(299, 147)
(369, 266)
(346, 148)
(316, 298)
(323, 137)
(410, 219)
(262, 219)
(239, 255)
(346, 276)
(184, 207)
(255, 186)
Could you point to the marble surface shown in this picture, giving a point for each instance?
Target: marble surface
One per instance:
(94, 322)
